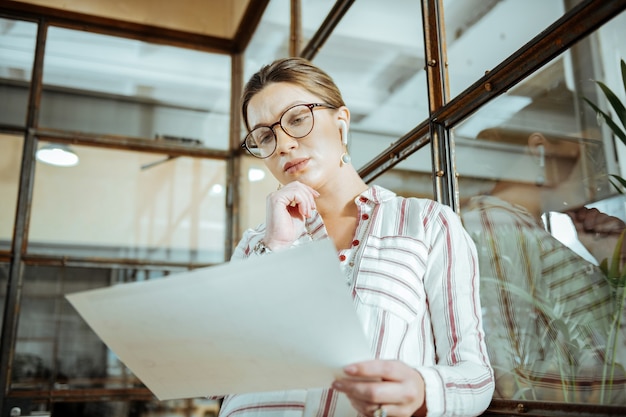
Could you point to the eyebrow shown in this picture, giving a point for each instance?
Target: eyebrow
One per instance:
(294, 103)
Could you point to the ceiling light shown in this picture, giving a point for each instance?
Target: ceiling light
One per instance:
(57, 155)
(255, 174)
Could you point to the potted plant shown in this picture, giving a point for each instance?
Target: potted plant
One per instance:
(614, 269)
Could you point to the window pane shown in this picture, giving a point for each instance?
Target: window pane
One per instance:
(271, 38)
(256, 182)
(106, 85)
(130, 205)
(55, 348)
(4, 279)
(10, 161)
(376, 57)
(480, 34)
(410, 178)
(17, 52)
(535, 166)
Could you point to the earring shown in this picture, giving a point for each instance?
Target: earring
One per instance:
(343, 129)
(541, 179)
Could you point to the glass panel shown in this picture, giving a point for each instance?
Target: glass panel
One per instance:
(480, 34)
(271, 38)
(130, 205)
(256, 182)
(410, 178)
(196, 407)
(10, 162)
(106, 85)
(536, 198)
(17, 52)
(55, 348)
(4, 279)
(376, 57)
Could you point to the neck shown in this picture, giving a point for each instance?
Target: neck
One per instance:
(337, 199)
(525, 195)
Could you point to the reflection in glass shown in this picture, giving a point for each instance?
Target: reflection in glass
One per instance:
(480, 34)
(55, 348)
(536, 199)
(256, 182)
(376, 57)
(130, 205)
(17, 52)
(106, 85)
(4, 278)
(10, 161)
(410, 178)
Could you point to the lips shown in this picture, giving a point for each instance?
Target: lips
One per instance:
(295, 165)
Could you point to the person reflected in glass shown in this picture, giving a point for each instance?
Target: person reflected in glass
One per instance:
(408, 263)
(547, 311)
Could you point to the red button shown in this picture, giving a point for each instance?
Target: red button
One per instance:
(365, 216)
(355, 243)
(362, 199)
(342, 258)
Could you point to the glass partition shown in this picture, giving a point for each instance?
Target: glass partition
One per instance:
(536, 167)
(55, 348)
(107, 85)
(17, 53)
(255, 183)
(410, 178)
(10, 160)
(4, 278)
(376, 57)
(480, 34)
(130, 205)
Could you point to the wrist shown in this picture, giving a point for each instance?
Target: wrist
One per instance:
(261, 248)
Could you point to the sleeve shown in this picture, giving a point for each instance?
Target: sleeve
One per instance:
(462, 382)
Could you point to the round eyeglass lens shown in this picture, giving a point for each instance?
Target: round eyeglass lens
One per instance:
(261, 142)
(297, 122)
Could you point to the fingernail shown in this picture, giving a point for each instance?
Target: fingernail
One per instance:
(349, 369)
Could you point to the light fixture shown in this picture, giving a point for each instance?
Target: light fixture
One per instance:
(58, 155)
(255, 174)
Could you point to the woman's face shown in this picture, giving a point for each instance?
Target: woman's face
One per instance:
(314, 159)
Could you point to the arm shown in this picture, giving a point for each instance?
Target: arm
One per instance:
(450, 380)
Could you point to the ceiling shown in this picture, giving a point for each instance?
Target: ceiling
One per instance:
(375, 54)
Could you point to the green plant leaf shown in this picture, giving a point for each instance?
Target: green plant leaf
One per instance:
(614, 127)
(616, 186)
(623, 65)
(620, 110)
(614, 271)
(621, 180)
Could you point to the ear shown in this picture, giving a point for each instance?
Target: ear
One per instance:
(537, 144)
(343, 120)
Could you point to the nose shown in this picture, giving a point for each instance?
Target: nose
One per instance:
(284, 142)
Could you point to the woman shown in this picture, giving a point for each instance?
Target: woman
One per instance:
(408, 263)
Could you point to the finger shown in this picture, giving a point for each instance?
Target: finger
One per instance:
(387, 370)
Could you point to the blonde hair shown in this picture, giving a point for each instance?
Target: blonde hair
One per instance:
(298, 71)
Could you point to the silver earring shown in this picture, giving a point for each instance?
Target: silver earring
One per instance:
(541, 178)
(343, 129)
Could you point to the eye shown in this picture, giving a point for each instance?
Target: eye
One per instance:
(297, 117)
(264, 137)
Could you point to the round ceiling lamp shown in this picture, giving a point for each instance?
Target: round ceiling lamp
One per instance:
(57, 155)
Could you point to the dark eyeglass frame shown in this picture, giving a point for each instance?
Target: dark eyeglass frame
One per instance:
(271, 127)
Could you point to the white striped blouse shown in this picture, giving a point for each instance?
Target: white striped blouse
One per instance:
(413, 274)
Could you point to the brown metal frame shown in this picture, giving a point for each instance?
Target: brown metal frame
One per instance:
(444, 115)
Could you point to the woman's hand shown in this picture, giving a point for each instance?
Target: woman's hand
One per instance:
(395, 386)
(286, 212)
(598, 231)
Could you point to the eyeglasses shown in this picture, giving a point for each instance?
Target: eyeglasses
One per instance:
(297, 121)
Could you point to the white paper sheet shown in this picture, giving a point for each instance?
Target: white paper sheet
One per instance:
(282, 321)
